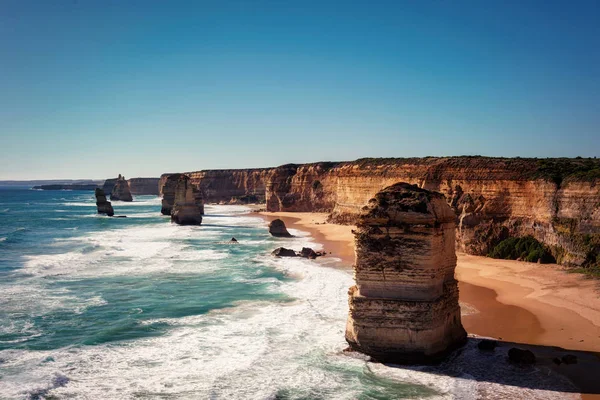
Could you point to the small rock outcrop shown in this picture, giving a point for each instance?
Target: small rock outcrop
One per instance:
(188, 206)
(168, 191)
(121, 190)
(277, 228)
(104, 206)
(487, 345)
(307, 252)
(404, 306)
(569, 359)
(283, 252)
(520, 356)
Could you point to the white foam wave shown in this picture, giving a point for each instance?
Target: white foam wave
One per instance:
(79, 204)
(251, 351)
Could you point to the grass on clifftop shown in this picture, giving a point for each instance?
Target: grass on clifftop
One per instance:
(524, 248)
(558, 169)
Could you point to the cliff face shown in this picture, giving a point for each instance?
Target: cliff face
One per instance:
(233, 186)
(143, 186)
(557, 201)
(108, 185)
(404, 307)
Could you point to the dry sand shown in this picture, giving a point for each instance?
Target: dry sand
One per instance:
(513, 301)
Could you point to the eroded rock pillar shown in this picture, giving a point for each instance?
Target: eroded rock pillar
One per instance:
(404, 306)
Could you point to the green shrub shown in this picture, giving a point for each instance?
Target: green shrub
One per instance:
(525, 248)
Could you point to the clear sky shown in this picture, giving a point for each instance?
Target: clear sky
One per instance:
(89, 89)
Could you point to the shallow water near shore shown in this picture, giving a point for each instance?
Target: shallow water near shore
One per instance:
(137, 307)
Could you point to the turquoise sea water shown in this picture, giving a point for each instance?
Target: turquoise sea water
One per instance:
(127, 308)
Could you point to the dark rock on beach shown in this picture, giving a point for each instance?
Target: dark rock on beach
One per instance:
(569, 359)
(307, 252)
(487, 345)
(277, 228)
(520, 356)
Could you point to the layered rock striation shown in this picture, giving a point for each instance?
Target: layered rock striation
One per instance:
(103, 206)
(404, 307)
(188, 206)
(121, 190)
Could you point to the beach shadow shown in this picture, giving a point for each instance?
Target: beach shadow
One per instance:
(469, 362)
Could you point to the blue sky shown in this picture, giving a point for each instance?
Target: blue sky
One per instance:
(89, 89)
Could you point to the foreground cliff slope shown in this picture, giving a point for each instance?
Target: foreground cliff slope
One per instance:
(404, 307)
(557, 201)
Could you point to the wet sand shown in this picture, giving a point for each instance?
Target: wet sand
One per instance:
(524, 303)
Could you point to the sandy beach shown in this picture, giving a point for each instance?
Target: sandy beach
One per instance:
(525, 303)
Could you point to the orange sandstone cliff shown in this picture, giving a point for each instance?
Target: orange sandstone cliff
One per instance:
(557, 201)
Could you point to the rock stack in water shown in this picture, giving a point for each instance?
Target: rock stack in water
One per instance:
(404, 307)
(168, 191)
(188, 206)
(121, 190)
(104, 206)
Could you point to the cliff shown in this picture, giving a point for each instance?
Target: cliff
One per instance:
(109, 185)
(121, 190)
(557, 201)
(404, 307)
(144, 186)
(243, 186)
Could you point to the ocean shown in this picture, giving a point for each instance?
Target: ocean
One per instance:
(93, 307)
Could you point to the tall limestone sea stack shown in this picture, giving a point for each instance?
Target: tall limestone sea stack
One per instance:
(188, 205)
(121, 190)
(404, 307)
(168, 191)
(104, 206)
